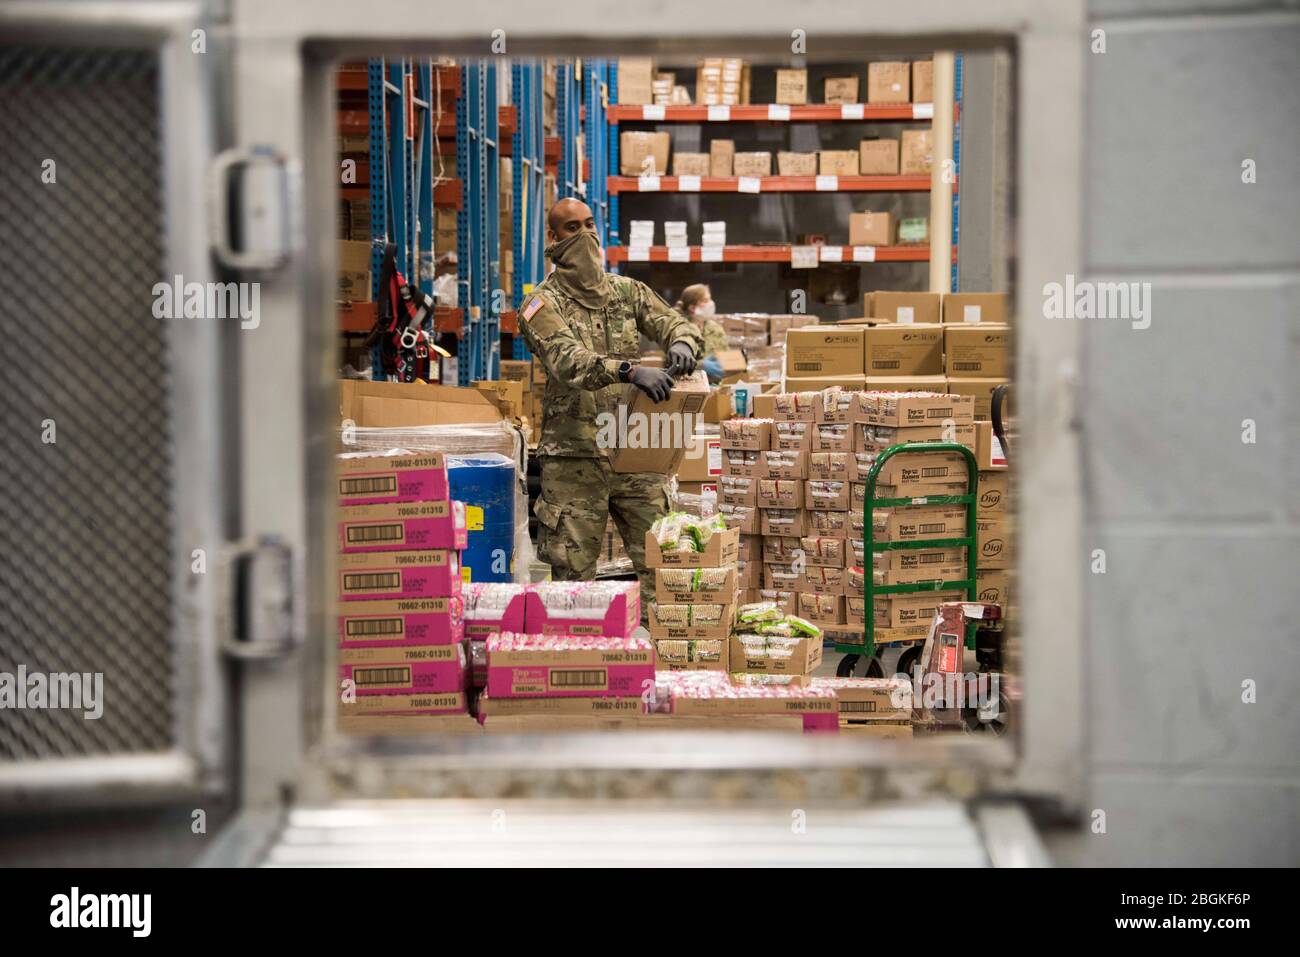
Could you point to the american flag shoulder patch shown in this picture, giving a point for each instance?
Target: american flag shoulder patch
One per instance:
(534, 304)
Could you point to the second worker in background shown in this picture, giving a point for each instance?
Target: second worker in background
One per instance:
(585, 326)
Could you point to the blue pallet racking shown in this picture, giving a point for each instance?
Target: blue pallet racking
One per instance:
(528, 182)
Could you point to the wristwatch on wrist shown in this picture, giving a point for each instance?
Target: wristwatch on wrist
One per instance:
(625, 371)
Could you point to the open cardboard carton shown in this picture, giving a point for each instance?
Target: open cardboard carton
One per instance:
(719, 550)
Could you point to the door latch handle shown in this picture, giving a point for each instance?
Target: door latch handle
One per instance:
(261, 582)
(252, 204)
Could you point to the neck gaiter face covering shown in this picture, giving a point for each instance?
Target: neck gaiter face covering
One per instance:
(580, 269)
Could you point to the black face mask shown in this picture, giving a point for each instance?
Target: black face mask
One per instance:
(580, 268)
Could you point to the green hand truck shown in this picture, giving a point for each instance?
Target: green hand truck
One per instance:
(867, 650)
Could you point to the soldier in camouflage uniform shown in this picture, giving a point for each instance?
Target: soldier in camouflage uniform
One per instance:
(585, 325)
(696, 305)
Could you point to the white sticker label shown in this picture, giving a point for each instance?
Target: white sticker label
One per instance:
(970, 313)
(710, 254)
(922, 111)
(679, 254)
(864, 254)
(996, 455)
(715, 458)
(719, 114)
(905, 314)
(803, 257)
(920, 501)
(832, 254)
(652, 112)
(852, 111)
(688, 184)
(647, 183)
(828, 184)
(749, 184)
(778, 111)
(638, 254)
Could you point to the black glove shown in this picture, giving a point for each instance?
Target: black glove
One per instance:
(655, 383)
(681, 359)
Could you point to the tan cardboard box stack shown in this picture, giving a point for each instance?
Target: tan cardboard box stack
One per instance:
(977, 345)
(994, 531)
(354, 271)
(721, 82)
(696, 594)
(636, 80)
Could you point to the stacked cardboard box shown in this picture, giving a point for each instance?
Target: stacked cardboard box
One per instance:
(711, 694)
(696, 589)
(874, 707)
(636, 80)
(400, 625)
(722, 82)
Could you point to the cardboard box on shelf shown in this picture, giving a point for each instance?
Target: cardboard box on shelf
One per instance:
(871, 229)
(916, 153)
(904, 349)
(993, 585)
(993, 541)
(921, 473)
(640, 454)
(825, 350)
(693, 622)
(721, 155)
(988, 448)
(841, 89)
(925, 573)
(752, 164)
(903, 611)
(980, 390)
(976, 307)
(791, 86)
(696, 586)
(977, 349)
(796, 164)
(832, 437)
(830, 495)
(690, 164)
(908, 560)
(733, 490)
(878, 157)
(919, 523)
(837, 163)
(641, 152)
(817, 384)
(720, 549)
(902, 307)
(354, 270)
(782, 521)
(636, 76)
(783, 464)
(406, 404)
(398, 622)
(702, 460)
(877, 438)
(821, 609)
(922, 81)
(888, 82)
(706, 654)
(750, 658)
(906, 411)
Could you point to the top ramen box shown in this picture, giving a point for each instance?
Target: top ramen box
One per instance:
(396, 527)
(368, 479)
(720, 549)
(914, 408)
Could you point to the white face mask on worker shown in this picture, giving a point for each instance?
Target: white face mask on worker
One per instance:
(705, 309)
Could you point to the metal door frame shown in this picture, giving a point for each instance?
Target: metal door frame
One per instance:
(282, 98)
(200, 760)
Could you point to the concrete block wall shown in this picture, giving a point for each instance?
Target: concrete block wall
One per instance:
(1201, 530)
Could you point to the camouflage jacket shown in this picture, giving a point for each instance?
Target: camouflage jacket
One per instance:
(715, 337)
(581, 351)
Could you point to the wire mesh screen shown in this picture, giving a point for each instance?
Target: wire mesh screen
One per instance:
(85, 513)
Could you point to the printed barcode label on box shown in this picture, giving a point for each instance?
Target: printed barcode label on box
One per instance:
(652, 112)
(828, 184)
(688, 184)
(749, 184)
(647, 183)
(715, 458)
(922, 111)
(719, 114)
(832, 254)
(970, 313)
(864, 254)
(906, 314)
(852, 111)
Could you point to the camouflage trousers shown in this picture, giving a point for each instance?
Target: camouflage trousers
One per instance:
(578, 497)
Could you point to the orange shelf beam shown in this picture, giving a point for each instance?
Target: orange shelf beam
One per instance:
(775, 253)
(778, 184)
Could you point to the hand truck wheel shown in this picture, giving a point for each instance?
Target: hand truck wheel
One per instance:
(908, 659)
(995, 725)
